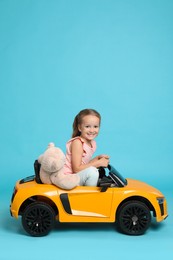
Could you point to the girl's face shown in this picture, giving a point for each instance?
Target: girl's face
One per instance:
(89, 127)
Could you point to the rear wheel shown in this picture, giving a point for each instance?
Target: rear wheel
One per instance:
(133, 218)
(38, 219)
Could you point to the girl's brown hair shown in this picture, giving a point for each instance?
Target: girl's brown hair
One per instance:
(78, 119)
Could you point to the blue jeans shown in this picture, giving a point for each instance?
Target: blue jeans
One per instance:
(89, 176)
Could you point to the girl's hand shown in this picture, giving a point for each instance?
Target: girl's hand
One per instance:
(103, 162)
(103, 156)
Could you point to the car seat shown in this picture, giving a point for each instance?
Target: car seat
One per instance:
(37, 166)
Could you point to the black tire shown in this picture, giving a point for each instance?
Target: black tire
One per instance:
(38, 219)
(133, 218)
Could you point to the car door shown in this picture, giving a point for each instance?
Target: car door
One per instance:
(90, 202)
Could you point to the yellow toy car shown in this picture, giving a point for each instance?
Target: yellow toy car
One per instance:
(127, 202)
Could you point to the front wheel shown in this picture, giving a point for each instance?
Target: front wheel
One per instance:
(38, 219)
(133, 218)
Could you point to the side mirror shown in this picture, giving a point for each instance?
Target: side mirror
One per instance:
(104, 187)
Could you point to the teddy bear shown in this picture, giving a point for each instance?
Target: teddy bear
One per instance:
(52, 169)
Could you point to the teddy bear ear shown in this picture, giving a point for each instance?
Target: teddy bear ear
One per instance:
(50, 145)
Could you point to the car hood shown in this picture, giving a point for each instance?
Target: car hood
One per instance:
(142, 186)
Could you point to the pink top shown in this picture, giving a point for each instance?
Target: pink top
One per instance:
(86, 157)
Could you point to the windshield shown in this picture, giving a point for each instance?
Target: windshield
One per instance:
(118, 176)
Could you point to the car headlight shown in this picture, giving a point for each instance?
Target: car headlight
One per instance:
(160, 200)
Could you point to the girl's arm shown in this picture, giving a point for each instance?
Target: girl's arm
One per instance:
(77, 152)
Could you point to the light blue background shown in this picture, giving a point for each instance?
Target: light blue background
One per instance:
(60, 56)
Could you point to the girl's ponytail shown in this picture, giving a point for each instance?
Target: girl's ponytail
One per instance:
(76, 131)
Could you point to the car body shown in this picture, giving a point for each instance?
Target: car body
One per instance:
(127, 202)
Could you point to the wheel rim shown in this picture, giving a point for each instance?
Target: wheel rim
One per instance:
(135, 219)
(38, 220)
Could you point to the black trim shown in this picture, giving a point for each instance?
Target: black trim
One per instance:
(161, 209)
(65, 202)
(13, 195)
(27, 179)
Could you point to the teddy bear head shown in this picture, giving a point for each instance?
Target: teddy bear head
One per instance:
(52, 161)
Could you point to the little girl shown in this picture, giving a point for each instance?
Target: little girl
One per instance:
(81, 147)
